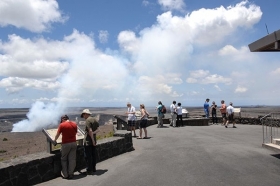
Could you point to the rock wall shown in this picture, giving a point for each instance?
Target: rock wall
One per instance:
(40, 167)
(241, 120)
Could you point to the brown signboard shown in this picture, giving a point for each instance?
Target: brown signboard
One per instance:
(50, 133)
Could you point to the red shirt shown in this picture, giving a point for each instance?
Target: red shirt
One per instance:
(69, 131)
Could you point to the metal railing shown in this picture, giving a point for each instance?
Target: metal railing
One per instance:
(270, 127)
(121, 123)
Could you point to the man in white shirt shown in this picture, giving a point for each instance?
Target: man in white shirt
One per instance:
(173, 114)
(179, 115)
(131, 118)
(230, 114)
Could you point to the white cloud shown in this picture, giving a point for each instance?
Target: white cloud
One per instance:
(19, 101)
(276, 72)
(25, 61)
(15, 84)
(217, 87)
(243, 54)
(240, 89)
(32, 15)
(191, 80)
(212, 25)
(103, 36)
(214, 78)
(145, 2)
(128, 42)
(155, 83)
(56, 99)
(204, 77)
(228, 50)
(172, 4)
(199, 73)
(176, 94)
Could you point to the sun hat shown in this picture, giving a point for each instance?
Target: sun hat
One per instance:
(85, 111)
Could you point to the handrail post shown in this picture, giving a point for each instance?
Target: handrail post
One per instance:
(263, 123)
(271, 136)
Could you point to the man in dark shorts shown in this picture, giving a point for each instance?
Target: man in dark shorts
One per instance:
(230, 115)
(131, 118)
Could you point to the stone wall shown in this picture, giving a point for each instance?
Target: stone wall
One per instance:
(241, 120)
(40, 167)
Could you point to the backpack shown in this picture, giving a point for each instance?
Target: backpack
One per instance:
(163, 109)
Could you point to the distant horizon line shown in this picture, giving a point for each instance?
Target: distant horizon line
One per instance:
(146, 106)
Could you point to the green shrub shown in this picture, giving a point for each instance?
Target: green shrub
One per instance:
(5, 139)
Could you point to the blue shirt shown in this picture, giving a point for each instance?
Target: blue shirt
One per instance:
(206, 106)
(159, 107)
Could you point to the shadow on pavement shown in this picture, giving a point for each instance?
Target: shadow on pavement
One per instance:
(276, 156)
(100, 172)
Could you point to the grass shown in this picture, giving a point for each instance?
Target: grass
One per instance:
(110, 134)
(3, 151)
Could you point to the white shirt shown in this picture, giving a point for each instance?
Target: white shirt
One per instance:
(179, 110)
(230, 109)
(172, 108)
(131, 116)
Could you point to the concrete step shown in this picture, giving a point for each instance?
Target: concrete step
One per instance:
(272, 146)
(276, 141)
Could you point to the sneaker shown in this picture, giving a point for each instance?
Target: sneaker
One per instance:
(89, 172)
(70, 177)
(225, 126)
(62, 175)
(234, 127)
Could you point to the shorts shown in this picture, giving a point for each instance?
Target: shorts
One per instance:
(143, 123)
(131, 123)
(224, 115)
(230, 117)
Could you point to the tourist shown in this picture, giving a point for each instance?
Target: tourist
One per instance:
(206, 108)
(68, 129)
(223, 111)
(143, 121)
(131, 118)
(160, 115)
(91, 129)
(179, 115)
(214, 113)
(173, 113)
(230, 115)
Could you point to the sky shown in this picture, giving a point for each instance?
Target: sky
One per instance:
(104, 53)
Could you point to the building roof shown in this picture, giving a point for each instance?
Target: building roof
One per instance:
(269, 43)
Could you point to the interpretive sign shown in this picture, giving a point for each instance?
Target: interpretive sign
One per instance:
(50, 134)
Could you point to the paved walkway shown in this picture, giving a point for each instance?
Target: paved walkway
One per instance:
(202, 156)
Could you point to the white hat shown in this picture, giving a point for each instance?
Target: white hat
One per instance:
(85, 111)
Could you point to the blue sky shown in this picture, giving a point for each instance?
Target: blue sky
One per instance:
(106, 53)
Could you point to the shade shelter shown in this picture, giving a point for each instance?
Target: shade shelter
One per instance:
(269, 43)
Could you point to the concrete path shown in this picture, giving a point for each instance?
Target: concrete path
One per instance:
(202, 156)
